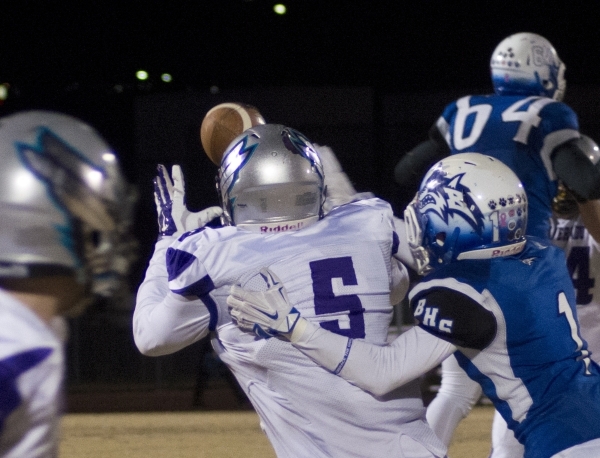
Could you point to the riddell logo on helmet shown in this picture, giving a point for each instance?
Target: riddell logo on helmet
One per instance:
(508, 251)
(284, 228)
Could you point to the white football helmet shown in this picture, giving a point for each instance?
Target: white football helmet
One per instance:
(65, 205)
(527, 64)
(271, 180)
(469, 206)
(564, 204)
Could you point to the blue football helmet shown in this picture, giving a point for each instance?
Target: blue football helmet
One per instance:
(271, 180)
(527, 64)
(469, 206)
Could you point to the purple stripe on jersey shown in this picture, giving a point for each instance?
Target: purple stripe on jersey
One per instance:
(201, 288)
(395, 243)
(178, 261)
(211, 305)
(10, 369)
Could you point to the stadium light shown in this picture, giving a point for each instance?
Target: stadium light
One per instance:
(280, 8)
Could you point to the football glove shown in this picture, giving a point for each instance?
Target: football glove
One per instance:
(173, 216)
(265, 313)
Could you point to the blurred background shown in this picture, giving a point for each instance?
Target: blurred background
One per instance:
(367, 78)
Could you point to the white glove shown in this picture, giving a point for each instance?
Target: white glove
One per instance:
(265, 313)
(340, 190)
(173, 216)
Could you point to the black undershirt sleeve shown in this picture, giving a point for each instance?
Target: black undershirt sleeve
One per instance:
(411, 168)
(454, 317)
(576, 171)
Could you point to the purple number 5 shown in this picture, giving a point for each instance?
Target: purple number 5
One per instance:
(326, 302)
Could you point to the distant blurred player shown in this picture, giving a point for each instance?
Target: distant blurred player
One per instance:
(502, 302)
(63, 238)
(343, 276)
(524, 124)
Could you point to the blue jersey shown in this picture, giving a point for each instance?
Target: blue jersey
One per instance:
(521, 131)
(514, 322)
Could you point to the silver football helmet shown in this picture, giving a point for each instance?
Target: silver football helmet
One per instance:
(528, 64)
(271, 180)
(65, 205)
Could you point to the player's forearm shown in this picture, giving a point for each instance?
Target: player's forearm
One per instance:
(590, 215)
(163, 322)
(404, 254)
(377, 369)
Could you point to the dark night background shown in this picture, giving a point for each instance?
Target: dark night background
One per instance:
(365, 77)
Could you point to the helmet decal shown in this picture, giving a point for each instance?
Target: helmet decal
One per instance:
(527, 64)
(445, 198)
(235, 160)
(64, 172)
(299, 144)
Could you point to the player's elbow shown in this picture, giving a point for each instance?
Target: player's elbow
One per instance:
(381, 388)
(149, 341)
(149, 346)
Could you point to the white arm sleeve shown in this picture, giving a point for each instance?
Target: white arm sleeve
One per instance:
(163, 322)
(404, 254)
(377, 369)
(457, 395)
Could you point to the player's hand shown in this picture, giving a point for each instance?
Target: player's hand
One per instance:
(173, 216)
(265, 313)
(340, 190)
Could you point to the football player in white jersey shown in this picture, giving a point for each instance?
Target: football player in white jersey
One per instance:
(341, 269)
(503, 303)
(63, 237)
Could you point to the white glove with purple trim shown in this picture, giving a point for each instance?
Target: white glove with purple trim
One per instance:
(173, 216)
(265, 313)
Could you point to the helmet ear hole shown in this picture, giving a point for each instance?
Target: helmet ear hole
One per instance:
(440, 238)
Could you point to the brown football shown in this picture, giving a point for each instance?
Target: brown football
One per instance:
(223, 123)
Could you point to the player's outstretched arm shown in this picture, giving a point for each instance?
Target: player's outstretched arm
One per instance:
(173, 216)
(411, 168)
(340, 190)
(590, 215)
(164, 322)
(377, 369)
(582, 178)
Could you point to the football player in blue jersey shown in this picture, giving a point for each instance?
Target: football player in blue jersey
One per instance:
(502, 302)
(583, 262)
(524, 124)
(64, 236)
(340, 260)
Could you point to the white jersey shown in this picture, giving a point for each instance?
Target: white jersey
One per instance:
(31, 382)
(339, 273)
(583, 262)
